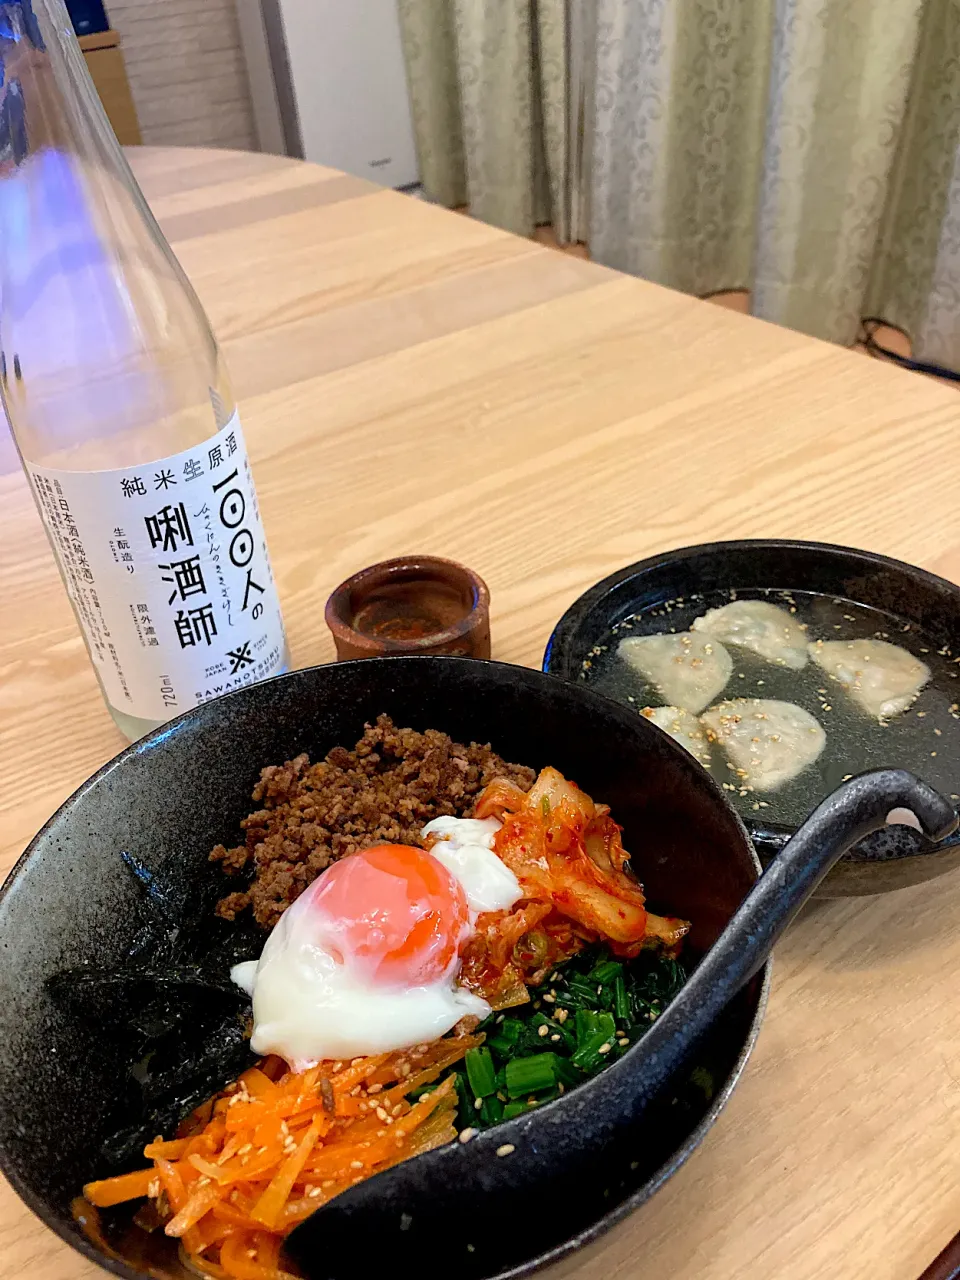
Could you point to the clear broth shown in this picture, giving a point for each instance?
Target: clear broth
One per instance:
(924, 739)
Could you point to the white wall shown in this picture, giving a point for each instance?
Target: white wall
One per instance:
(187, 72)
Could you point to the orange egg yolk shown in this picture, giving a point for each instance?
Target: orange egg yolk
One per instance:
(395, 911)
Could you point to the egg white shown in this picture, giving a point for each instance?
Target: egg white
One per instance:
(465, 847)
(309, 1004)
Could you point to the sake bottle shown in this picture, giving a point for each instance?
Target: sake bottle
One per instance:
(119, 402)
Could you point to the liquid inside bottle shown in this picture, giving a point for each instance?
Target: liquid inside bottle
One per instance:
(119, 402)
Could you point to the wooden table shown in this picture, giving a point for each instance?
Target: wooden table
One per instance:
(412, 380)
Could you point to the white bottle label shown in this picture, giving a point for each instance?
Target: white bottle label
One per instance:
(167, 567)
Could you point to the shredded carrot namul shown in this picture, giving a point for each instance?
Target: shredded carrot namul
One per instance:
(260, 1157)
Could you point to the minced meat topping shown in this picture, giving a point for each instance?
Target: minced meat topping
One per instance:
(384, 791)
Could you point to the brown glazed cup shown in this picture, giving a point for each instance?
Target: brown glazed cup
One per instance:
(414, 604)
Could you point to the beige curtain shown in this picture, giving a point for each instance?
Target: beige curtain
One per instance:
(488, 85)
(804, 149)
(807, 150)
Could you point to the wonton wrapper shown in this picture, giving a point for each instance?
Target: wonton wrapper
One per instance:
(759, 626)
(683, 727)
(688, 670)
(883, 678)
(768, 742)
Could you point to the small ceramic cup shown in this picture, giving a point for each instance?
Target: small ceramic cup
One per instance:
(414, 604)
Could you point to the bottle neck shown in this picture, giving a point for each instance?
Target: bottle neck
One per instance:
(106, 357)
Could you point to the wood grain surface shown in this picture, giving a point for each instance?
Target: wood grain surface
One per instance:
(411, 380)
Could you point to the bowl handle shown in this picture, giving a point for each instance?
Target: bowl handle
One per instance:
(837, 824)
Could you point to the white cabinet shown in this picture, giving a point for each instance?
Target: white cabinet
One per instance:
(329, 84)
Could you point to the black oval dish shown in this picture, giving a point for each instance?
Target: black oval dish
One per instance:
(891, 859)
(72, 1075)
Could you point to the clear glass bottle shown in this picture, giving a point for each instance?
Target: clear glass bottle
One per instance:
(119, 401)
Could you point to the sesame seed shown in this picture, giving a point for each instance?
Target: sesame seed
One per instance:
(605, 1047)
(554, 1037)
(467, 1134)
(356, 1164)
(506, 1150)
(478, 1103)
(543, 1031)
(550, 997)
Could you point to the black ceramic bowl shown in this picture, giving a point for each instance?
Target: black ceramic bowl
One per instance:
(70, 1079)
(891, 859)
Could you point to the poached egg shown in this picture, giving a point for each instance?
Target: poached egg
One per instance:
(366, 960)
